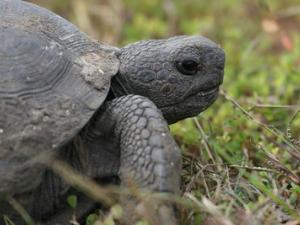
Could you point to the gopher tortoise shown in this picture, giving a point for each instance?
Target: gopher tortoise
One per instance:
(103, 110)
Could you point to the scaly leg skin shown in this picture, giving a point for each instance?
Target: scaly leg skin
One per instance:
(149, 156)
(129, 137)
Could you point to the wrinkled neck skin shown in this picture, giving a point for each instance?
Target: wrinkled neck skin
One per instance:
(117, 89)
(169, 112)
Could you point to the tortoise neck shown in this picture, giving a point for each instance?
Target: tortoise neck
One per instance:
(117, 88)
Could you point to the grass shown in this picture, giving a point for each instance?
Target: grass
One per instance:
(242, 155)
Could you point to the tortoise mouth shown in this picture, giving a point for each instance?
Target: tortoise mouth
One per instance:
(205, 92)
(191, 105)
(195, 94)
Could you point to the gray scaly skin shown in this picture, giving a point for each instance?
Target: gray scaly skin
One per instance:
(146, 153)
(158, 82)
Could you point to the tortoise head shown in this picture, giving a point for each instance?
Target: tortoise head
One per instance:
(181, 75)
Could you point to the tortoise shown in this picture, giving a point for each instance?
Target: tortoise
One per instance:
(103, 110)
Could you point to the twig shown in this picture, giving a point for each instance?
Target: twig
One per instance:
(255, 168)
(193, 180)
(205, 140)
(276, 106)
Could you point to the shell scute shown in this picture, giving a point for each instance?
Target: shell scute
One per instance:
(53, 78)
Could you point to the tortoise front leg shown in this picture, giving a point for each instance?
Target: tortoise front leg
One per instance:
(149, 156)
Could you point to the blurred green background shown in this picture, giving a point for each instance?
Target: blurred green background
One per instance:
(261, 39)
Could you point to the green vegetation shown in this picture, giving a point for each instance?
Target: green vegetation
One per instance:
(240, 166)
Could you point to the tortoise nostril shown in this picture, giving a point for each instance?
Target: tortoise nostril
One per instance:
(166, 89)
(200, 66)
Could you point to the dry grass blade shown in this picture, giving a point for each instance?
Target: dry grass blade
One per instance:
(290, 136)
(194, 179)
(262, 169)
(211, 208)
(292, 148)
(20, 209)
(292, 107)
(290, 141)
(85, 184)
(150, 206)
(205, 140)
(286, 207)
(277, 165)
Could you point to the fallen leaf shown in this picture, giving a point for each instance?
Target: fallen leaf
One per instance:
(270, 26)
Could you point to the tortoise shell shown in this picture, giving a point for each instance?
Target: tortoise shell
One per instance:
(52, 80)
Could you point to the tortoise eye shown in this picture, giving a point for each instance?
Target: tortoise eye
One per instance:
(187, 67)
